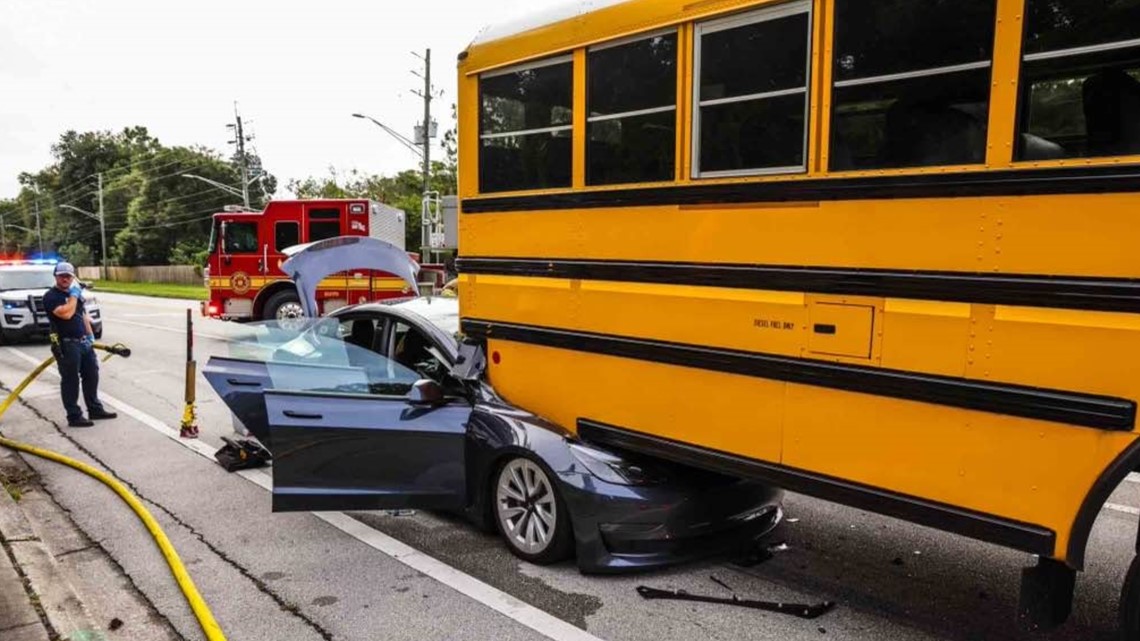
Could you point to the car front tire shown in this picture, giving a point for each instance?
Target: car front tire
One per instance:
(529, 512)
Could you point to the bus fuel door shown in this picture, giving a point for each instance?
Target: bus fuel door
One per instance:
(839, 329)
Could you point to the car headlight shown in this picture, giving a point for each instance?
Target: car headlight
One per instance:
(614, 469)
(15, 304)
(90, 300)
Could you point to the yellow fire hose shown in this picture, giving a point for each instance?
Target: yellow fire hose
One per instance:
(205, 618)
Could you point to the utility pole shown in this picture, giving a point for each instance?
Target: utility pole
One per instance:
(427, 118)
(102, 229)
(424, 135)
(39, 234)
(240, 140)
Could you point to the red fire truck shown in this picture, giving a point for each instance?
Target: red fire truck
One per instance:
(244, 273)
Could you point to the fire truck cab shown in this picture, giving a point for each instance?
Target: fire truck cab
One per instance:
(243, 272)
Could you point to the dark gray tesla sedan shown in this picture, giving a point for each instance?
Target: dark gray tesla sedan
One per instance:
(379, 406)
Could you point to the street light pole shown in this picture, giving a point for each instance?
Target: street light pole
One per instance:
(242, 193)
(4, 226)
(233, 191)
(102, 225)
(408, 144)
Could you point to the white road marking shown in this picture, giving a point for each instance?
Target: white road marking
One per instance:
(176, 330)
(545, 624)
(1127, 509)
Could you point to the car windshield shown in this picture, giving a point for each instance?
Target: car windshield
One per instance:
(320, 356)
(26, 279)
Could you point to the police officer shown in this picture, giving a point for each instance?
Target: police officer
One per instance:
(76, 354)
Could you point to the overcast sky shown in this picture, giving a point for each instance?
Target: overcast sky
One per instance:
(296, 69)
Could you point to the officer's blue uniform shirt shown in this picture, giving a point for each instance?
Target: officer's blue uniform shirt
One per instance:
(74, 327)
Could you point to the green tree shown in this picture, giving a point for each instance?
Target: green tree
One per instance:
(149, 203)
(77, 253)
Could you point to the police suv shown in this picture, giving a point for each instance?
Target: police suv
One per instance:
(22, 287)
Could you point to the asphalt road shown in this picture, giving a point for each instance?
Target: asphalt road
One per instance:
(363, 576)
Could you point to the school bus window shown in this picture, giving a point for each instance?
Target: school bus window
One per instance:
(631, 99)
(751, 93)
(1080, 80)
(286, 234)
(525, 126)
(911, 83)
(323, 223)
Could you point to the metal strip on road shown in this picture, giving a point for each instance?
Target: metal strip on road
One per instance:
(538, 620)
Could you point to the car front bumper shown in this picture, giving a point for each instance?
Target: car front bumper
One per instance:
(640, 528)
(23, 324)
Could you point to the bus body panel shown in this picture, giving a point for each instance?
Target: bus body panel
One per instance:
(953, 344)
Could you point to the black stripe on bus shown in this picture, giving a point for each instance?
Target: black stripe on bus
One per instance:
(978, 525)
(1009, 182)
(1067, 292)
(1060, 406)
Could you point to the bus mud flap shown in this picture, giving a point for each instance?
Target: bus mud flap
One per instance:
(1046, 595)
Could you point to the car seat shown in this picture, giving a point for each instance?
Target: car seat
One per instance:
(362, 333)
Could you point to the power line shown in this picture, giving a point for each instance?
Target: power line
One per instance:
(69, 194)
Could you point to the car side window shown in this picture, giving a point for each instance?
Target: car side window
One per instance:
(409, 348)
(338, 356)
(363, 332)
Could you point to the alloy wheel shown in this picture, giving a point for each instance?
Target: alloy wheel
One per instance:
(526, 507)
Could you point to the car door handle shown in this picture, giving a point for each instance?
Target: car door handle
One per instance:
(292, 414)
(822, 328)
(237, 382)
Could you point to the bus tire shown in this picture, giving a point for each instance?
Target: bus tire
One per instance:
(283, 305)
(1130, 603)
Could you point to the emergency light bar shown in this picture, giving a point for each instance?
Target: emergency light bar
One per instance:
(26, 261)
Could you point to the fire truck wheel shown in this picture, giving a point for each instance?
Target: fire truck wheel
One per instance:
(283, 305)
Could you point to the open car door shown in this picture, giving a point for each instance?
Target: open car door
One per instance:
(241, 377)
(347, 434)
(336, 452)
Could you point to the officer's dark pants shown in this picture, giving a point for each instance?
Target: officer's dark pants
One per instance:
(78, 361)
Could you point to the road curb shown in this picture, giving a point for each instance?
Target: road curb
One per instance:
(57, 598)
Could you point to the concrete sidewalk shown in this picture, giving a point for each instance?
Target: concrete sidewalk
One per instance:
(55, 583)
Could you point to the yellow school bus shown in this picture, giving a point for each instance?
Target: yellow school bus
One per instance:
(883, 253)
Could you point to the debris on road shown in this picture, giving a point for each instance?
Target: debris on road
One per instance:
(800, 610)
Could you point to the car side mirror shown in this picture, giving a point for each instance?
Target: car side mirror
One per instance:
(425, 392)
